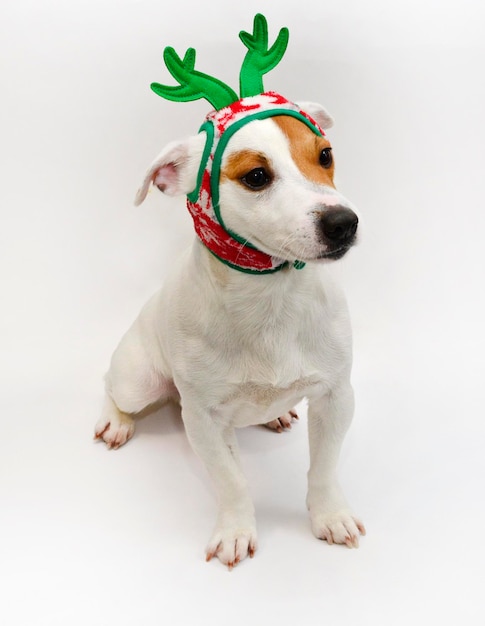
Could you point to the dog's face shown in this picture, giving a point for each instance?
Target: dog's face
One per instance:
(276, 187)
(277, 191)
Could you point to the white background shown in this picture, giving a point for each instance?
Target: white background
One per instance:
(104, 538)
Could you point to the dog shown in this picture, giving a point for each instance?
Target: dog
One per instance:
(238, 349)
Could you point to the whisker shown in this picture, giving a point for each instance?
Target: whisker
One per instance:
(241, 247)
(285, 249)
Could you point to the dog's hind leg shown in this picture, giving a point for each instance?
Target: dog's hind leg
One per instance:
(283, 422)
(132, 384)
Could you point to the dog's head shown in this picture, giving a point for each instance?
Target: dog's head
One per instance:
(277, 189)
(259, 176)
(273, 186)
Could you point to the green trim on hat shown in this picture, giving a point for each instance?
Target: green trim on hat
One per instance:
(208, 128)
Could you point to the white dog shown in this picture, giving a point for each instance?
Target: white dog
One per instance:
(240, 348)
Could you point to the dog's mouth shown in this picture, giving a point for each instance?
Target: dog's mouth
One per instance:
(329, 255)
(335, 255)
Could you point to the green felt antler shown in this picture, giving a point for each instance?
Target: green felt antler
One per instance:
(259, 59)
(193, 85)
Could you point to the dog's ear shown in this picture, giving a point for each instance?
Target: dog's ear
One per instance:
(175, 169)
(319, 113)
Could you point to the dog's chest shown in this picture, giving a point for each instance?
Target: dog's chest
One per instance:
(252, 349)
(254, 403)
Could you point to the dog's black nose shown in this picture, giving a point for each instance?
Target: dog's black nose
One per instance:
(339, 224)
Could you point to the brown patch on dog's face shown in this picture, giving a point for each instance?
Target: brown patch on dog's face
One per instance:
(249, 168)
(240, 163)
(306, 150)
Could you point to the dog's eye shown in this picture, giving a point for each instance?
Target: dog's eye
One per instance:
(257, 178)
(326, 158)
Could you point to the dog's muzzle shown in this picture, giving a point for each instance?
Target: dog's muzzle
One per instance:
(337, 228)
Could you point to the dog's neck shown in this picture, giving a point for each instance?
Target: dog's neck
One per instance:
(255, 286)
(263, 314)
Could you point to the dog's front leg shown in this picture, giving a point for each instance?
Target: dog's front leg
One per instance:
(234, 536)
(328, 420)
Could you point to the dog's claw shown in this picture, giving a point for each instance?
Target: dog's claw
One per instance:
(99, 433)
(212, 553)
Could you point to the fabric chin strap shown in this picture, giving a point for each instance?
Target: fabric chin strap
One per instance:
(243, 257)
(203, 202)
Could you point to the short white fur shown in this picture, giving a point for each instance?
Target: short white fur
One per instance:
(238, 349)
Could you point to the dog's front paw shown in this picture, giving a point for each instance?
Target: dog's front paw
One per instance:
(338, 527)
(232, 545)
(282, 423)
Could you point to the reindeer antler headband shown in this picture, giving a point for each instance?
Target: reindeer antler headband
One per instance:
(229, 115)
(193, 85)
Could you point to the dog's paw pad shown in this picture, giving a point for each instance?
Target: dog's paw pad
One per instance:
(341, 528)
(115, 433)
(284, 422)
(231, 547)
